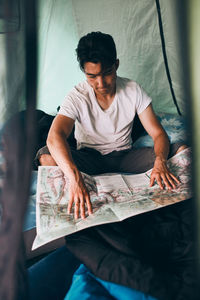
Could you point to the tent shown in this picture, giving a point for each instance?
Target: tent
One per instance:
(38, 68)
(147, 39)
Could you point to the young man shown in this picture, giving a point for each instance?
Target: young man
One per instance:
(103, 109)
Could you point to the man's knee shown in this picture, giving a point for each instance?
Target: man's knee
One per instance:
(47, 160)
(181, 148)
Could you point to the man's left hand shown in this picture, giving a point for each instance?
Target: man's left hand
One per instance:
(162, 175)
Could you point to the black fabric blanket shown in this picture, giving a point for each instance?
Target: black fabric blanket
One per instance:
(152, 252)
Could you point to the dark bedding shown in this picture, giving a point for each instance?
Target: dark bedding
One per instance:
(153, 252)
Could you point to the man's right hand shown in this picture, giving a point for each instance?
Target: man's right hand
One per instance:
(79, 196)
(60, 151)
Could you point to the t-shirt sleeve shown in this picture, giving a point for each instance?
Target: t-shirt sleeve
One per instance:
(68, 108)
(143, 100)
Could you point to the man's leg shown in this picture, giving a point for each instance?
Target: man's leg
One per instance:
(142, 159)
(87, 160)
(47, 160)
(181, 148)
(44, 158)
(136, 160)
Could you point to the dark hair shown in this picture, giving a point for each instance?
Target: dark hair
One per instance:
(96, 47)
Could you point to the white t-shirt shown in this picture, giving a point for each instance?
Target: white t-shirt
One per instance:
(105, 130)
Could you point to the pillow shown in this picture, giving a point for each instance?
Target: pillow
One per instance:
(175, 127)
(87, 286)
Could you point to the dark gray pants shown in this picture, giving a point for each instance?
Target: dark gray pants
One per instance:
(133, 160)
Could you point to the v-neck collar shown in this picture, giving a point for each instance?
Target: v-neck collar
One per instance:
(112, 105)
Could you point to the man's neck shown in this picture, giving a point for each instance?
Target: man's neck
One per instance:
(105, 100)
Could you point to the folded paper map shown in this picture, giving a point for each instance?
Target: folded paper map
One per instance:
(114, 197)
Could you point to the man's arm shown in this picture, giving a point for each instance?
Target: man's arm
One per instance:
(60, 151)
(160, 171)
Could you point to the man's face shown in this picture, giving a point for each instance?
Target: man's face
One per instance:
(102, 81)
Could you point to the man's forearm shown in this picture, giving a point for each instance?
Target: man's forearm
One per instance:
(161, 147)
(160, 173)
(60, 151)
(78, 193)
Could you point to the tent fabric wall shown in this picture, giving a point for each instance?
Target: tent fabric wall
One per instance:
(58, 71)
(134, 26)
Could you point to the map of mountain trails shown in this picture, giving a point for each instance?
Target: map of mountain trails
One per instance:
(114, 197)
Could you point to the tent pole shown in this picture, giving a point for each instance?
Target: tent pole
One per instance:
(162, 37)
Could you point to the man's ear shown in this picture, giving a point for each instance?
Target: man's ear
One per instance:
(117, 64)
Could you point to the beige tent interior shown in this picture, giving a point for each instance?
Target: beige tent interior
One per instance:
(157, 47)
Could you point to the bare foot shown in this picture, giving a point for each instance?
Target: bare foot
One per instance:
(47, 160)
(181, 148)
